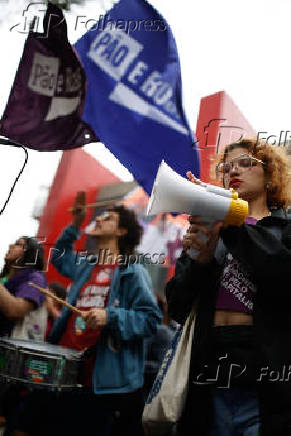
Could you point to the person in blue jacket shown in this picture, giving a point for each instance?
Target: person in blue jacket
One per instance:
(119, 312)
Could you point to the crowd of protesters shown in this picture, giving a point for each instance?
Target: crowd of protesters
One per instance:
(237, 283)
(119, 310)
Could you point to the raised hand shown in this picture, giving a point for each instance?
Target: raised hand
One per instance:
(79, 209)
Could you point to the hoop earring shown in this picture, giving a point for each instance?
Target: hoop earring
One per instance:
(268, 185)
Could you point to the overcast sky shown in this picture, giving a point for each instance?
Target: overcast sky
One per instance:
(242, 47)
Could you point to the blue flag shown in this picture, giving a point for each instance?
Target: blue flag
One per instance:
(133, 100)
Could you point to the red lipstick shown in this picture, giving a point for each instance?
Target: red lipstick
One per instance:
(235, 183)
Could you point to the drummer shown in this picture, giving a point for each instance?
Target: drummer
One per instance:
(23, 314)
(120, 311)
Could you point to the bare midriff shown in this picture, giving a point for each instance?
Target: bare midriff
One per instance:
(229, 317)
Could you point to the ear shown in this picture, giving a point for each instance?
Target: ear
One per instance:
(122, 232)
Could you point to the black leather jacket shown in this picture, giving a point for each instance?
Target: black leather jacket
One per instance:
(265, 251)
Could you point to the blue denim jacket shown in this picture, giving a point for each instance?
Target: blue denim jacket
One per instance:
(119, 364)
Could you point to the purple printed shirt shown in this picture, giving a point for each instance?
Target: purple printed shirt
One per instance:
(236, 288)
(18, 286)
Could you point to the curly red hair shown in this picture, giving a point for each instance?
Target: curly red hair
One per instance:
(276, 169)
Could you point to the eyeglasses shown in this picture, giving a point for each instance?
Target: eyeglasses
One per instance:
(244, 161)
(105, 216)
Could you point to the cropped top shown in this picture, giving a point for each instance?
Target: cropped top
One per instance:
(236, 289)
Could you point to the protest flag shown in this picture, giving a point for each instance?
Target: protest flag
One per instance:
(46, 101)
(134, 101)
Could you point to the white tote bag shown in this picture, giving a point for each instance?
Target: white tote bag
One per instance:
(167, 398)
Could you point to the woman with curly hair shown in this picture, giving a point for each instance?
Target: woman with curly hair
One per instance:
(241, 358)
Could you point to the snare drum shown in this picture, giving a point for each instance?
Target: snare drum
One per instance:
(40, 365)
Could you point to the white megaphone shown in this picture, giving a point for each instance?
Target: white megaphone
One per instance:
(173, 193)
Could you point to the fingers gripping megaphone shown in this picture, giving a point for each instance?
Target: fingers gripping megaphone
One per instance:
(173, 193)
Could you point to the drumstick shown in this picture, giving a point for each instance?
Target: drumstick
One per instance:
(59, 300)
(99, 203)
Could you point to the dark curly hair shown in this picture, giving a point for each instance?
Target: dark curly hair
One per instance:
(128, 220)
(33, 257)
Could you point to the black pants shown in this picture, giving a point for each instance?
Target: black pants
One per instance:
(82, 413)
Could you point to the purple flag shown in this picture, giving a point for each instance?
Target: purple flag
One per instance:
(46, 102)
